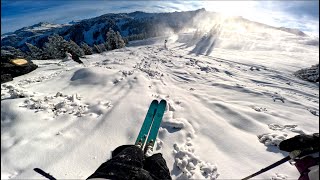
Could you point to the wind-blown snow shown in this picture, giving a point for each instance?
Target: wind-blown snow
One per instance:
(226, 112)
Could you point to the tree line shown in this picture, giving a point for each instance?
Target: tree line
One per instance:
(56, 47)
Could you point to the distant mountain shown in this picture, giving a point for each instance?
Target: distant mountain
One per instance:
(293, 31)
(93, 31)
(130, 25)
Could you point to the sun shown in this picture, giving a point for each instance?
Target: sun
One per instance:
(231, 8)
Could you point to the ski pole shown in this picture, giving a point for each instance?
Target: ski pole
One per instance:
(268, 168)
(47, 175)
(292, 155)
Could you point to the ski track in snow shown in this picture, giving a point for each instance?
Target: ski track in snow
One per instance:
(71, 117)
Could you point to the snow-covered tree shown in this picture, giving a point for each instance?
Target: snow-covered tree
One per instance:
(74, 49)
(114, 40)
(14, 51)
(56, 46)
(86, 48)
(35, 52)
(121, 43)
(99, 48)
(111, 42)
(67, 57)
(96, 49)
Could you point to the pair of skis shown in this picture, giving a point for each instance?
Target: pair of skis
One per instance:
(151, 124)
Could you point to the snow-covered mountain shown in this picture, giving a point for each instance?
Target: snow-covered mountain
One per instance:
(93, 31)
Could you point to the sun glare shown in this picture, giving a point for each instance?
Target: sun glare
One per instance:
(231, 8)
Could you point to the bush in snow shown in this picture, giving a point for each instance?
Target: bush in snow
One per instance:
(114, 40)
(56, 47)
(86, 48)
(309, 74)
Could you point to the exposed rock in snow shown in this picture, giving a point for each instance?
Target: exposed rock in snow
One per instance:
(309, 74)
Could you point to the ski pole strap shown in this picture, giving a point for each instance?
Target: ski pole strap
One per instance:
(268, 168)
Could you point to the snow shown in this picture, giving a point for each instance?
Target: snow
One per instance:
(43, 26)
(226, 112)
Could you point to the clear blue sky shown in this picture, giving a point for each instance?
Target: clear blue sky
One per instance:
(15, 14)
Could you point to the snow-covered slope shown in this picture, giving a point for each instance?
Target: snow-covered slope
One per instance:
(35, 34)
(225, 111)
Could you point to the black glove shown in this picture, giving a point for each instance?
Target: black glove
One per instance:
(156, 165)
(301, 142)
(129, 162)
(119, 149)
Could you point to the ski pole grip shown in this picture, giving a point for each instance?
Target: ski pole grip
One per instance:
(303, 152)
(294, 154)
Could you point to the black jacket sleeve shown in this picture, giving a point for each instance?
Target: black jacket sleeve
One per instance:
(301, 142)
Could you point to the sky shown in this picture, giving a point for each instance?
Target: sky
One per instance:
(303, 15)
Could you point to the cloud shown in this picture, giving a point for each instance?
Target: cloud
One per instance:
(295, 8)
(302, 15)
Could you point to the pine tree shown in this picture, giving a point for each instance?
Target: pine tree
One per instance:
(86, 48)
(120, 41)
(74, 49)
(114, 40)
(96, 49)
(111, 42)
(56, 47)
(35, 52)
(99, 48)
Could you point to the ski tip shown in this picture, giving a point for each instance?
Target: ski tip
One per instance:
(163, 101)
(155, 101)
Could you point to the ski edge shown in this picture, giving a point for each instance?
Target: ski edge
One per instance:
(146, 125)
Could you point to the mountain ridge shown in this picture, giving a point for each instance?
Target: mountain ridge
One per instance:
(93, 30)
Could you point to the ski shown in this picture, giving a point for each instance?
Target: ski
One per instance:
(144, 131)
(155, 126)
